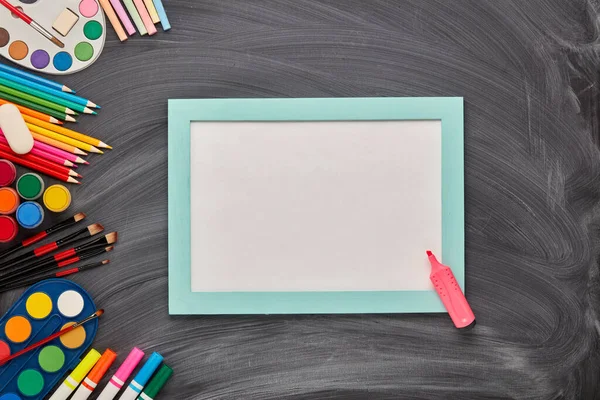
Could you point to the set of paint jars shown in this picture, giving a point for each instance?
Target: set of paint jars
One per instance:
(28, 213)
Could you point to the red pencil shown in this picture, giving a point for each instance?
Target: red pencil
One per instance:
(41, 161)
(28, 20)
(36, 167)
(51, 337)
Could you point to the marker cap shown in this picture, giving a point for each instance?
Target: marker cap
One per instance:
(148, 369)
(158, 381)
(85, 365)
(97, 373)
(132, 360)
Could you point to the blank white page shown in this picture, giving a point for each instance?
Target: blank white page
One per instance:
(314, 206)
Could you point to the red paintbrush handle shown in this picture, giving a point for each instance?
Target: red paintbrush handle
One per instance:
(38, 344)
(16, 11)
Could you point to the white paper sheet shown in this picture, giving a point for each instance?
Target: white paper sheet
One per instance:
(314, 206)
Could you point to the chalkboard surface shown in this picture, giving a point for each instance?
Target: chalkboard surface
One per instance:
(528, 70)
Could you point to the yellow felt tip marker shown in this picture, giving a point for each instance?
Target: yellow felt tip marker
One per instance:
(74, 379)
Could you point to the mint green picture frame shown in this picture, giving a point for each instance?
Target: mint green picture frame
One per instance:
(182, 301)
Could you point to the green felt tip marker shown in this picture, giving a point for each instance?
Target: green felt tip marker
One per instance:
(156, 384)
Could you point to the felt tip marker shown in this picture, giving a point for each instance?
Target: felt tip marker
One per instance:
(156, 384)
(118, 380)
(68, 386)
(95, 376)
(143, 376)
(452, 296)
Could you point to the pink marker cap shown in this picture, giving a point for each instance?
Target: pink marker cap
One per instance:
(132, 360)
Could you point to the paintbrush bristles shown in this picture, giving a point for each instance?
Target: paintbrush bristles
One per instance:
(105, 262)
(57, 42)
(78, 217)
(111, 238)
(95, 229)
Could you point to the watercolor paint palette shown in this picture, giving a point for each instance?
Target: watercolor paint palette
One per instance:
(79, 24)
(42, 310)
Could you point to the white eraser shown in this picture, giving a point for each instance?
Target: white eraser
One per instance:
(15, 130)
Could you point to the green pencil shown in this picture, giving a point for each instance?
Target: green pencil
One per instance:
(45, 96)
(33, 99)
(25, 103)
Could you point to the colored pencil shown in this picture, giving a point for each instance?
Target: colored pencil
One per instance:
(139, 4)
(59, 260)
(56, 144)
(42, 88)
(40, 251)
(34, 114)
(123, 16)
(58, 152)
(26, 103)
(36, 167)
(50, 338)
(160, 9)
(135, 16)
(29, 21)
(40, 161)
(66, 132)
(51, 274)
(114, 21)
(39, 94)
(42, 235)
(34, 78)
(46, 156)
(152, 11)
(62, 138)
(25, 96)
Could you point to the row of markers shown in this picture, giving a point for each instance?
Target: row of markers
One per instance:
(146, 384)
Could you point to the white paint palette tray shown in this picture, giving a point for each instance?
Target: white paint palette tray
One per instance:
(79, 24)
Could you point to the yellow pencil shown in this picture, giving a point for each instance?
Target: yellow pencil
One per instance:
(58, 145)
(66, 132)
(63, 138)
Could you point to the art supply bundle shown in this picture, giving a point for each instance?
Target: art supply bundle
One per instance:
(48, 332)
(55, 37)
(144, 13)
(34, 139)
(28, 262)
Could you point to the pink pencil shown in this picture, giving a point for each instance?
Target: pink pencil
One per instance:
(141, 7)
(58, 152)
(47, 156)
(123, 16)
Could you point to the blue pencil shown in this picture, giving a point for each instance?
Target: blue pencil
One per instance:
(35, 78)
(67, 96)
(160, 9)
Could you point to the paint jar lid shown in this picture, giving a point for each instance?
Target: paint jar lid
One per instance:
(8, 173)
(30, 215)
(9, 396)
(57, 198)
(30, 186)
(8, 228)
(9, 200)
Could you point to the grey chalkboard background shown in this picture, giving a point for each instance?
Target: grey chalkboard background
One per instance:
(528, 70)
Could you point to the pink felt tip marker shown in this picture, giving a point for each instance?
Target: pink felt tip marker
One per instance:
(452, 296)
(118, 380)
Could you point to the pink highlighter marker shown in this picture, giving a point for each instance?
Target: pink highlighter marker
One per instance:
(118, 380)
(452, 296)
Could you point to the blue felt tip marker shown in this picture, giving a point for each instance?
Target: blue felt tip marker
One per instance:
(143, 376)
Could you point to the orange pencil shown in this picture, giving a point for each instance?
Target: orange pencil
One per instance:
(36, 167)
(57, 144)
(33, 113)
(66, 132)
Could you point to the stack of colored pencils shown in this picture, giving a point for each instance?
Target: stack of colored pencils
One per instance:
(38, 264)
(45, 106)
